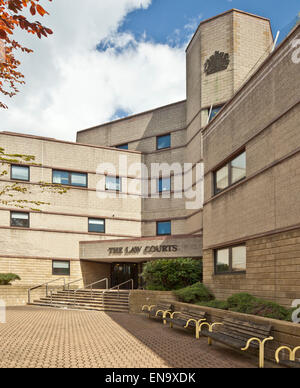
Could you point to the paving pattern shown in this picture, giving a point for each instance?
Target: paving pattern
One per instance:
(47, 338)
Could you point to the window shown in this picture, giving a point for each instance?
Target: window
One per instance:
(113, 183)
(20, 173)
(20, 220)
(164, 184)
(231, 173)
(163, 142)
(222, 179)
(96, 225)
(214, 112)
(61, 268)
(123, 147)
(238, 168)
(69, 178)
(163, 228)
(230, 260)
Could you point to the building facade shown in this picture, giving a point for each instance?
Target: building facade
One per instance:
(207, 177)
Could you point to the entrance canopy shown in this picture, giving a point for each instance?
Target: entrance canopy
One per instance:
(141, 249)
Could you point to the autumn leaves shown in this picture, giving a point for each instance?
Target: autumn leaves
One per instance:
(12, 15)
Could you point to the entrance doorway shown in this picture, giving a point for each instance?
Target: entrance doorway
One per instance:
(122, 272)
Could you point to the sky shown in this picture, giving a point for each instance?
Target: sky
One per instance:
(111, 58)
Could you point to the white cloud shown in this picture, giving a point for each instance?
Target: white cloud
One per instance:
(71, 86)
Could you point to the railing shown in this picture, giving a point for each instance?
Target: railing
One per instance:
(42, 285)
(90, 286)
(67, 286)
(122, 284)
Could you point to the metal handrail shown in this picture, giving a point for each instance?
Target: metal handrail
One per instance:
(67, 286)
(122, 284)
(91, 286)
(42, 285)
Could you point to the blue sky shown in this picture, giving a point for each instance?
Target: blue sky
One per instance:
(164, 17)
(139, 65)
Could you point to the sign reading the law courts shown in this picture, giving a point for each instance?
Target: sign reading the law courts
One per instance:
(137, 250)
(146, 250)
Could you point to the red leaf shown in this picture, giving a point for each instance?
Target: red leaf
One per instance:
(3, 34)
(41, 10)
(50, 32)
(32, 10)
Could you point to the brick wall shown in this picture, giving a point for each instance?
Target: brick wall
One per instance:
(36, 271)
(273, 270)
(18, 295)
(139, 298)
(93, 272)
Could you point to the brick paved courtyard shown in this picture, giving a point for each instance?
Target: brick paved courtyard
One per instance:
(37, 337)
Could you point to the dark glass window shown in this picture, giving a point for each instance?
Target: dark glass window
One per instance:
(19, 219)
(164, 184)
(69, 178)
(61, 268)
(113, 183)
(163, 142)
(230, 260)
(214, 112)
(96, 225)
(164, 228)
(20, 173)
(230, 173)
(123, 147)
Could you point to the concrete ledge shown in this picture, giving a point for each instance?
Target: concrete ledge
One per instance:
(139, 298)
(18, 295)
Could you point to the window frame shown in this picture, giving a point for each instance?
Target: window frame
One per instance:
(19, 180)
(98, 219)
(161, 222)
(159, 183)
(16, 226)
(161, 136)
(230, 271)
(61, 261)
(70, 178)
(228, 164)
(120, 183)
(219, 107)
(119, 147)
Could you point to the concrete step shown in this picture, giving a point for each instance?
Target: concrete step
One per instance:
(88, 297)
(86, 291)
(85, 302)
(95, 295)
(99, 300)
(87, 308)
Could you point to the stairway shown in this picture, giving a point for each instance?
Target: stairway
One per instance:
(99, 300)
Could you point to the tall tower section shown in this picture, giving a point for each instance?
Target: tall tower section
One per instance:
(224, 52)
(221, 56)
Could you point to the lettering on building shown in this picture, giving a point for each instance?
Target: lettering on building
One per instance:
(148, 250)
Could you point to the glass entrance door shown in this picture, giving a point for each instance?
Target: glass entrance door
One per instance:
(122, 272)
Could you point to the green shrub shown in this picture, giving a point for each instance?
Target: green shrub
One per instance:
(195, 293)
(216, 304)
(7, 278)
(171, 274)
(248, 304)
(241, 302)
